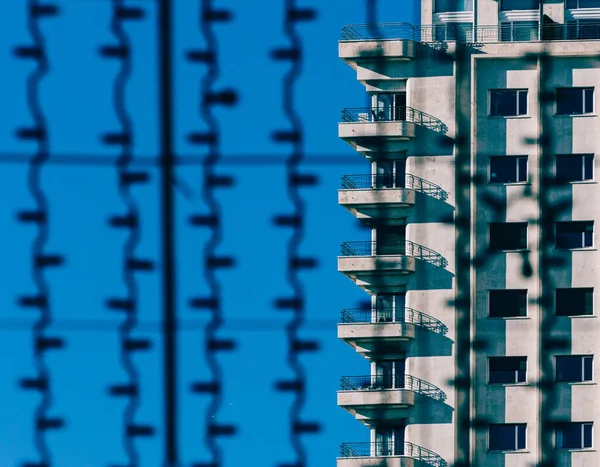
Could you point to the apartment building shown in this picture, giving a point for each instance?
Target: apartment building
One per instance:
(479, 190)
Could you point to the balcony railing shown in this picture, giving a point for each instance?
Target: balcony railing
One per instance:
(391, 448)
(379, 382)
(393, 114)
(383, 181)
(405, 248)
(388, 315)
(472, 34)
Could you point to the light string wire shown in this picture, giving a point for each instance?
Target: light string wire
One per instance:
(296, 221)
(40, 216)
(213, 261)
(130, 222)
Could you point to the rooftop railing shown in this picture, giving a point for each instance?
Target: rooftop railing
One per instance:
(404, 248)
(388, 315)
(383, 181)
(510, 32)
(380, 382)
(391, 448)
(393, 114)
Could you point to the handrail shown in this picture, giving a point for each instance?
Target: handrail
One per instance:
(387, 315)
(383, 181)
(393, 114)
(391, 448)
(510, 32)
(380, 382)
(402, 248)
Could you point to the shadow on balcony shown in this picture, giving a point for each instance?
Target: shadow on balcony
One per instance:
(388, 333)
(388, 198)
(382, 397)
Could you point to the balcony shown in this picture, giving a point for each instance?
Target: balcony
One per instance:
(388, 453)
(448, 32)
(384, 331)
(383, 265)
(383, 397)
(404, 47)
(385, 128)
(384, 196)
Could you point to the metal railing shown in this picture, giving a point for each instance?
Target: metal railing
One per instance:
(509, 32)
(383, 181)
(388, 315)
(380, 382)
(402, 248)
(393, 114)
(392, 448)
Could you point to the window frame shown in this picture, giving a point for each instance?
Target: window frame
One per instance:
(516, 372)
(559, 435)
(583, 358)
(518, 91)
(583, 236)
(517, 169)
(582, 289)
(491, 292)
(516, 426)
(583, 157)
(523, 248)
(583, 100)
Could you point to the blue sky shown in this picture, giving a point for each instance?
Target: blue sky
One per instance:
(77, 98)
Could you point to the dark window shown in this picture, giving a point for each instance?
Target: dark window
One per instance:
(571, 235)
(507, 437)
(574, 368)
(575, 302)
(508, 169)
(508, 235)
(574, 168)
(574, 4)
(462, 32)
(520, 4)
(508, 102)
(507, 303)
(583, 29)
(519, 31)
(443, 6)
(574, 101)
(507, 370)
(574, 435)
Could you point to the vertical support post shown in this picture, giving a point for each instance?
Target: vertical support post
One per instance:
(168, 227)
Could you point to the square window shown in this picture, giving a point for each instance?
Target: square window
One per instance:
(574, 435)
(507, 370)
(574, 101)
(507, 303)
(507, 437)
(508, 235)
(508, 102)
(574, 167)
(444, 6)
(507, 5)
(576, 234)
(575, 302)
(508, 169)
(574, 368)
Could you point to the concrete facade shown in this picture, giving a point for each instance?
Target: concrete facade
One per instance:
(452, 131)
